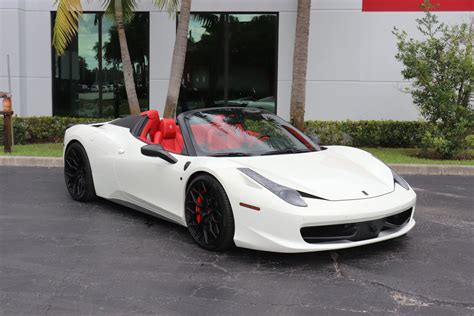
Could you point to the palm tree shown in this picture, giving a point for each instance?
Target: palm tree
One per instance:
(66, 27)
(471, 100)
(126, 60)
(177, 63)
(300, 62)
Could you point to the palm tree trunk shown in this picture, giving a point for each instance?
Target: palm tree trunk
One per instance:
(300, 63)
(126, 61)
(471, 99)
(179, 56)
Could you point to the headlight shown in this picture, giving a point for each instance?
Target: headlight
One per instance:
(400, 180)
(286, 194)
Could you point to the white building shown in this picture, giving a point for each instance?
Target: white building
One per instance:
(240, 53)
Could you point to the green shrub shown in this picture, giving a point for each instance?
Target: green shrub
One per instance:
(470, 141)
(441, 70)
(41, 129)
(397, 134)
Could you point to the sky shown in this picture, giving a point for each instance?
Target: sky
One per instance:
(88, 37)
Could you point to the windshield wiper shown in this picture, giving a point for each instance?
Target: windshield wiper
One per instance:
(285, 151)
(235, 154)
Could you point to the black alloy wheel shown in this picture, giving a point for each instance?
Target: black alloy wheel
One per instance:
(78, 174)
(209, 214)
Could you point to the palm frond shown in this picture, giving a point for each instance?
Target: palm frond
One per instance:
(66, 23)
(128, 8)
(208, 20)
(169, 5)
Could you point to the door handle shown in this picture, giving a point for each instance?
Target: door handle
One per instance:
(121, 151)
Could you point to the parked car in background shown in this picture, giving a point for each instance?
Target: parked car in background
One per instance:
(82, 88)
(267, 104)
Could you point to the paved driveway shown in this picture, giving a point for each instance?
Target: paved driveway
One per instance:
(59, 256)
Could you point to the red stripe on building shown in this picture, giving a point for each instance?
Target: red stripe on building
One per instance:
(415, 5)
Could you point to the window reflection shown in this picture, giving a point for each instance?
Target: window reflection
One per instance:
(88, 78)
(203, 70)
(230, 61)
(252, 60)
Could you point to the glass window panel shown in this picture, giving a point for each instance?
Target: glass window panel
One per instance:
(115, 96)
(87, 63)
(231, 60)
(252, 60)
(202, 83)
(88, 78)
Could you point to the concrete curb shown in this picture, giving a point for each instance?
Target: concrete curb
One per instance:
(24, 161)
(447, 170)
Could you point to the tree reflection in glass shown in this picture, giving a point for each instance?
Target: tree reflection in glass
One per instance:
(88, 78)
(137, 38)
(230, 61)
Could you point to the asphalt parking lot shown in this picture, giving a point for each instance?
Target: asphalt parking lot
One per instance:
(58, 256)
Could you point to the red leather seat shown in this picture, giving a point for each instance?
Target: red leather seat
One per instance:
(151, 127)
(169, 136)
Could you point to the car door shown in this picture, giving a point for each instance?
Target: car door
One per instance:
(151, 182)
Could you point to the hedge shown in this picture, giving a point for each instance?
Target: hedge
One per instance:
(43, 129)
(395, 134)
(353, 133)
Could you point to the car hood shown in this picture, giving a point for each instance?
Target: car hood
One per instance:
(337, 173)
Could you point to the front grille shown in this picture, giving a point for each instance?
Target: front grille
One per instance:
(354, 231)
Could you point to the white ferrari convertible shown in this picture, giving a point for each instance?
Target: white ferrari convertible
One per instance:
(239, 176)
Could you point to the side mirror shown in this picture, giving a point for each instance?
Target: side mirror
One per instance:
(316, 140)
(156, 150)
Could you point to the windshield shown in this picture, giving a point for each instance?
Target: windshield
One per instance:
(243, 132)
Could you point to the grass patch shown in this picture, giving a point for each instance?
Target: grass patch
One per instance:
(38, 150)
(410, 155)
(389, 155)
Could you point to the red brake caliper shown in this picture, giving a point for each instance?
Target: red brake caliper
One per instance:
(198, 210)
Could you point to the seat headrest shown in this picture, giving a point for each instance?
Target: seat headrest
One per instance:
(152, 114)
(168, 128)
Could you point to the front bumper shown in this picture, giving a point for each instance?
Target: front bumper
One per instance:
(277, 226)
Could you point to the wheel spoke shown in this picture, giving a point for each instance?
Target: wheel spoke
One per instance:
(194, 198)
(190, 210)
(213, 219)
(74, 187)
(69, 174)
(216, 211)
(70, 164)
(206, 238)
(198, 193)
(79, 186)
(75, 159)
(211, 230)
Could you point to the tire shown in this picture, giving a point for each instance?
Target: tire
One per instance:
(208, 213)
(78, 174)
